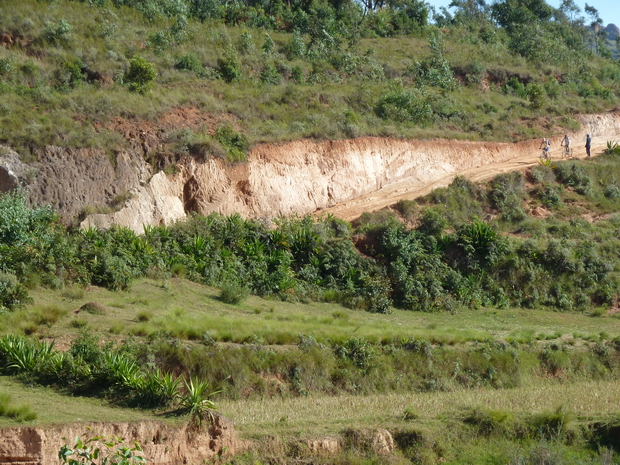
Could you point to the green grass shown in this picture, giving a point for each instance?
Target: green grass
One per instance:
(187, 310)
(39, 110)
(51, 406)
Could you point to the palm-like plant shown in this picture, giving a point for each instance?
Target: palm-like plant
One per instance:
(196, 402)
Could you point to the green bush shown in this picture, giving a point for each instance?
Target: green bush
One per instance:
(574, 175)
(57, 32)
(229, 66)
(140, 76)
(233, 293)
(402, 105)
(234, 143)
(269, 74)
(549, 195)
(536, 95)
(13, 294)
(101, 450)
(507, 195)
(189, 62)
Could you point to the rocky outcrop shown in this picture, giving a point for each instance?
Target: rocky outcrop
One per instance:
(278, 179)
(13, 173)
(162, 443)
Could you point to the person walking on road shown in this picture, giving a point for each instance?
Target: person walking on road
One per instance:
(588, 144)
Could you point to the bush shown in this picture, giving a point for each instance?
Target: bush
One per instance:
(112, 451)
(536, 95)
(234, 143)
(140, 76)
(13, 294)
(575, 176)
(402, 105)
(549, 196)
(229, 66)
(270, 75)
(507, 195)
(189, 63)
(57, 32)
(233, 293)
(432, 221)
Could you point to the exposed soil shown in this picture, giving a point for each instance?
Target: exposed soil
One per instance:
(345, 177)
(525, 155)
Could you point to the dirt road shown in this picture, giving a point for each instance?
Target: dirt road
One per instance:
(408, 189)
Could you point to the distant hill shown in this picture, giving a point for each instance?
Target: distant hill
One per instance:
(612, 31)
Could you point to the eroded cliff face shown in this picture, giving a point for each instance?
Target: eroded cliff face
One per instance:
(162, 444)
(278, 179)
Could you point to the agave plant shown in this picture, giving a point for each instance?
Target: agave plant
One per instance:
(196, 402)
(124, 372)
(23, 355)
(546, 162)
(158, 388)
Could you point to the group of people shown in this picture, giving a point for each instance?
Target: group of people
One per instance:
(546, 145)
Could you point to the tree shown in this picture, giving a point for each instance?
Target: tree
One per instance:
(470, 11)
(140, 76)
(598, 33)
(570, 9)
(509, 13)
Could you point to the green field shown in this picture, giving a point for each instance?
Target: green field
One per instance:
(441, 419)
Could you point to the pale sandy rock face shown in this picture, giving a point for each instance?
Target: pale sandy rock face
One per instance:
(347, 177)
(13, 173)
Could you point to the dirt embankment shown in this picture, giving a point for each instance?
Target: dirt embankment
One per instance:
(344, 177)
(162, 444)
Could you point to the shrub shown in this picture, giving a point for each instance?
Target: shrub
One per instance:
(49, 315)
(575, 176)
(234, 143)
(549, 195)
(360, 352)
(612, 191)
(432, 221)
(491, 422)
(140, 76)
(297, 46)
(229, 66)
(553, 425)
(507, 195)
(233, 293)
(245, 43)
(13, 294)
(57, 32)
(536, 95)
(189, 63)
(268, 46)
(99, 449)
(196, 402)
(403, 105)
(269, 74)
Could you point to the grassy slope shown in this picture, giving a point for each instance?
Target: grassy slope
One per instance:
(39, 106)
(53, 407)
(187, 310)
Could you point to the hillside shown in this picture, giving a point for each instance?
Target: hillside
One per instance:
(373, 266)
(141, 115)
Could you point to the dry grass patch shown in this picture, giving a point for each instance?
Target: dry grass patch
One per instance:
(322, 415)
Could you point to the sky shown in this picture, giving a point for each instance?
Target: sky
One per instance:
(608, 10)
